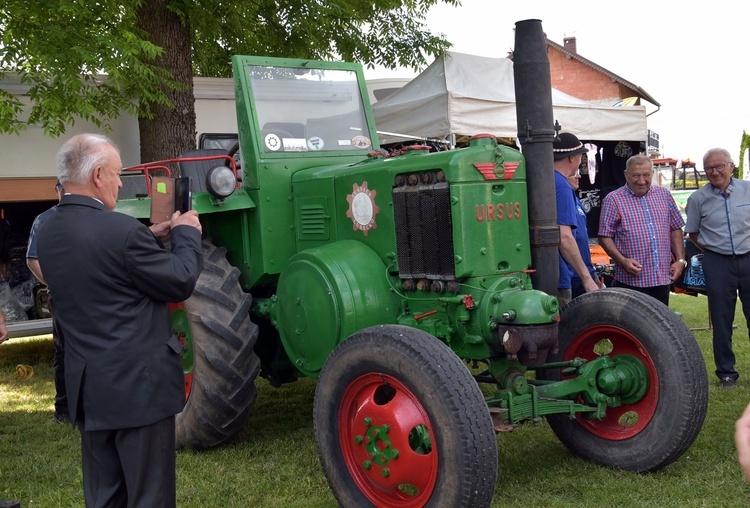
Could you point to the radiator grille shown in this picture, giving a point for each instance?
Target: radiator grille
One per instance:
(424, 239)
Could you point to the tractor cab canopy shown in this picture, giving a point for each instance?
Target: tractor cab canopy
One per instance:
(303, 108)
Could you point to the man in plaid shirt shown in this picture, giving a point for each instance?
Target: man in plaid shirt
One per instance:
(640, 227)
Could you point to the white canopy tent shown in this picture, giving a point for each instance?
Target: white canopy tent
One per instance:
(464, 94)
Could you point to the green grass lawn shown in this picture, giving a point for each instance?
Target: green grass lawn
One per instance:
(273, 461)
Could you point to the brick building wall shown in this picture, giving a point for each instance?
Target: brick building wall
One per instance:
(582, 81)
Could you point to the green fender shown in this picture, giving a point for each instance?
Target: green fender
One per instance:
(327, 293)
(203, 203)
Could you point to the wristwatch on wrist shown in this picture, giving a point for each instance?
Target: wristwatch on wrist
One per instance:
(684, 263)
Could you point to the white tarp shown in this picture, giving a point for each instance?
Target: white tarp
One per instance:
(466, 95)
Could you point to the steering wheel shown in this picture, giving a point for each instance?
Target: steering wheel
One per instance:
(234, 153)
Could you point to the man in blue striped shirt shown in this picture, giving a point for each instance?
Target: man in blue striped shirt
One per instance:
(640, 227)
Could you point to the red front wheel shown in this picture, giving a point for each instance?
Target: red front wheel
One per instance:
(386, 438)
(400, 422)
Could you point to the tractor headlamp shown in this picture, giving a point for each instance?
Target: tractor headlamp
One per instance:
(220, 182)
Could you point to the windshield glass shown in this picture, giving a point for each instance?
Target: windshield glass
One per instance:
(301, 110)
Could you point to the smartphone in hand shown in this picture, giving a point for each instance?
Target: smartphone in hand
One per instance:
(169, 195)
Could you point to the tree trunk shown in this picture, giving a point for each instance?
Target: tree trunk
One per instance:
(172, 130)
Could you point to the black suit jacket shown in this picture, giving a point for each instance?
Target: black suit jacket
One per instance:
(113, 281)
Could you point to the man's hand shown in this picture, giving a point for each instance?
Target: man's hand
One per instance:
(675, 270)
(632, 266)
(189, 218)
(161, 230)
(742, 440)
(589, 284)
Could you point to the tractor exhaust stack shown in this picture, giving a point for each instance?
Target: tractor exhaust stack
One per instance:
(536, 132)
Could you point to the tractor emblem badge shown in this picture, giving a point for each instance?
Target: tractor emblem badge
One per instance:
(362, 208)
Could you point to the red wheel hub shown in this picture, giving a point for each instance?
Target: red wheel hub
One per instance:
(388, 442)
(627, 420)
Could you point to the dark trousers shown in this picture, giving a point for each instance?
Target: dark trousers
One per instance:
(726, 276)
(58, 365)
(130, 468)
(661, 293)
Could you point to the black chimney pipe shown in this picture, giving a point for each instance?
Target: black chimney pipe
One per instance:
(536, 131)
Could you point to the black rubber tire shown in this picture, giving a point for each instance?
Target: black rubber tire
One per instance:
(464, 436)
(225, 364)
(681, 393)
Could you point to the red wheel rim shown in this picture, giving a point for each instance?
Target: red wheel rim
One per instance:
(387, 442)
(611, 427)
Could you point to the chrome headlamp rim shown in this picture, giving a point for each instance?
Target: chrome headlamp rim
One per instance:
(220, 182)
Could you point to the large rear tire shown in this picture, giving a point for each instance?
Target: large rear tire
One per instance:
(655, 430)
(219, 362)
(400, 422)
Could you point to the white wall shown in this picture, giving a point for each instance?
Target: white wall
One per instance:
(32, 153)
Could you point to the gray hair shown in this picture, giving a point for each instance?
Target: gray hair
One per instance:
(78, 157)
(721, 151)
(638, 159)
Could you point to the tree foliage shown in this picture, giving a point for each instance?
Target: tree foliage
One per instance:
(389, 33)
(744, 147)
(59, 49)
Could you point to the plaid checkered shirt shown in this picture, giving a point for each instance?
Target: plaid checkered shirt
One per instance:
(641, 228)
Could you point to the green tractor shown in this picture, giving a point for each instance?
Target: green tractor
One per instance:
(404, 282)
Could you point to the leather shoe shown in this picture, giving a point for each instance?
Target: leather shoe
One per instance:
(59, 417)
(727, 382)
